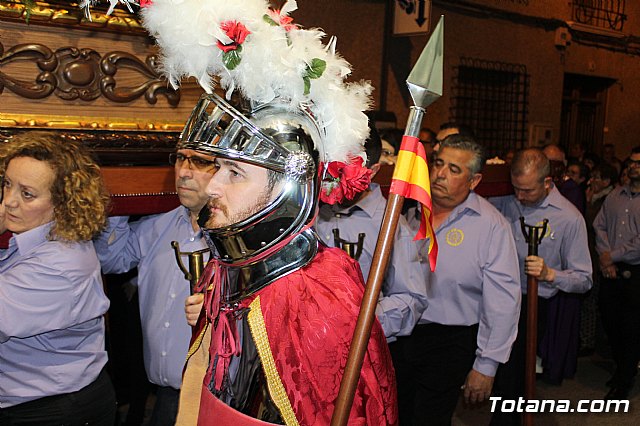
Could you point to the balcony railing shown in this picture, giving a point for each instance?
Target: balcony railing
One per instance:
(608, 14)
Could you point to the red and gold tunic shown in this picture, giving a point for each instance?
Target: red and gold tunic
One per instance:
(302, 325)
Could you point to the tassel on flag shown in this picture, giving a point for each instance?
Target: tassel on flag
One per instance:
(411, 180)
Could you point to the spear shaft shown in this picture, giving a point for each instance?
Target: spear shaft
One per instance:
(425, 86)
(367, 311)
(533, 236)
(366, 316)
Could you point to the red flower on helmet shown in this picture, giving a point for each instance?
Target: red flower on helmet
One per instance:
(237, 32)
(344, 181)
(146, 3)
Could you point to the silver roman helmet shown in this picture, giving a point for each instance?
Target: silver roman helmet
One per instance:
(267, 135)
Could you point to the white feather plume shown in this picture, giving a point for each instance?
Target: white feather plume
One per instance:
(273, 64)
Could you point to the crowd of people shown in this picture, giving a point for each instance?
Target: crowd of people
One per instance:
(276, 184)
(569, 192)
(458, 331)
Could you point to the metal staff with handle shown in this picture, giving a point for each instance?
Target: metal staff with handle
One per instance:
(196, 264)
(425, 86)
(533, 235)
(353, 249)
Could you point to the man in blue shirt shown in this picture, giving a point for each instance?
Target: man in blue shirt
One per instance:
(563, 262)
(617, 232)
(162, 287)
(473, 296)
(404, 292)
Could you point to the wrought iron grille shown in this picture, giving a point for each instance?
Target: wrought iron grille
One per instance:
(607, 14)
(493, 99)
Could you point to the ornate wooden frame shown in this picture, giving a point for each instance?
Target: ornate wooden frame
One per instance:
(112, 147)
(82, 74)
(71, 73)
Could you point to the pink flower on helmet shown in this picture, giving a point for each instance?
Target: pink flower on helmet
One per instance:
(146, 3)
(344, 181)
(237, 32)
(284, 21)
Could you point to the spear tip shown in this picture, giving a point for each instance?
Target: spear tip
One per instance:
(425, 79)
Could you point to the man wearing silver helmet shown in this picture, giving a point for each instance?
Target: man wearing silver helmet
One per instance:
(277, 309)
(273, 296)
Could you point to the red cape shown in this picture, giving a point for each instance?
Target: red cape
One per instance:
(309, 317)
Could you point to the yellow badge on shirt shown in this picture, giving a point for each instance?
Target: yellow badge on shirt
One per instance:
(454, 237)
(549, 232)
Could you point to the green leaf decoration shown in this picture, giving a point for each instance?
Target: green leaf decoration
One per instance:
(317, 68)
(231, 59)
(270, 21)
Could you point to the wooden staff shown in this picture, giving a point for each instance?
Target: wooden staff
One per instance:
(533, 236)
(425, 86)
(367, 311)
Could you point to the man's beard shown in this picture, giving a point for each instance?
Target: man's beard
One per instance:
(223, 218)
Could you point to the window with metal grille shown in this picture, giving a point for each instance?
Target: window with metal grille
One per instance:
(607, 14)
(492, 98)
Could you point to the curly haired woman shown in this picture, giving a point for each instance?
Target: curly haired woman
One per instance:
(52, 349)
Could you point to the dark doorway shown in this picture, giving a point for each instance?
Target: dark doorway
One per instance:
(584, 102)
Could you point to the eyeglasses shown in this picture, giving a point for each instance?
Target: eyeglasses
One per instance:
(198, 163)
(634, 162)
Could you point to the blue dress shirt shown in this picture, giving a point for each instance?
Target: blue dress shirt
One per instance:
(51, 317)
(476, 280)
(564, 247)
(403, 296)
(617, 226)
(162, 288)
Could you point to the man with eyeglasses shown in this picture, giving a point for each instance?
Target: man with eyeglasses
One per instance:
(162, 287)
(617, 229)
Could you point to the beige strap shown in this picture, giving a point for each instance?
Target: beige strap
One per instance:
(197, 364)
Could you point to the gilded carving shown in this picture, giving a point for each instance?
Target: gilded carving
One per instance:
(75, 73)
(115, 147)
(70, 15)
(65, 122)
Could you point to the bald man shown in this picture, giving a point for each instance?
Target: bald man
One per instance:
(563, 264)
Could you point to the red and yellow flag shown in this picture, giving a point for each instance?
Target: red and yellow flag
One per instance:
(411, 180)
